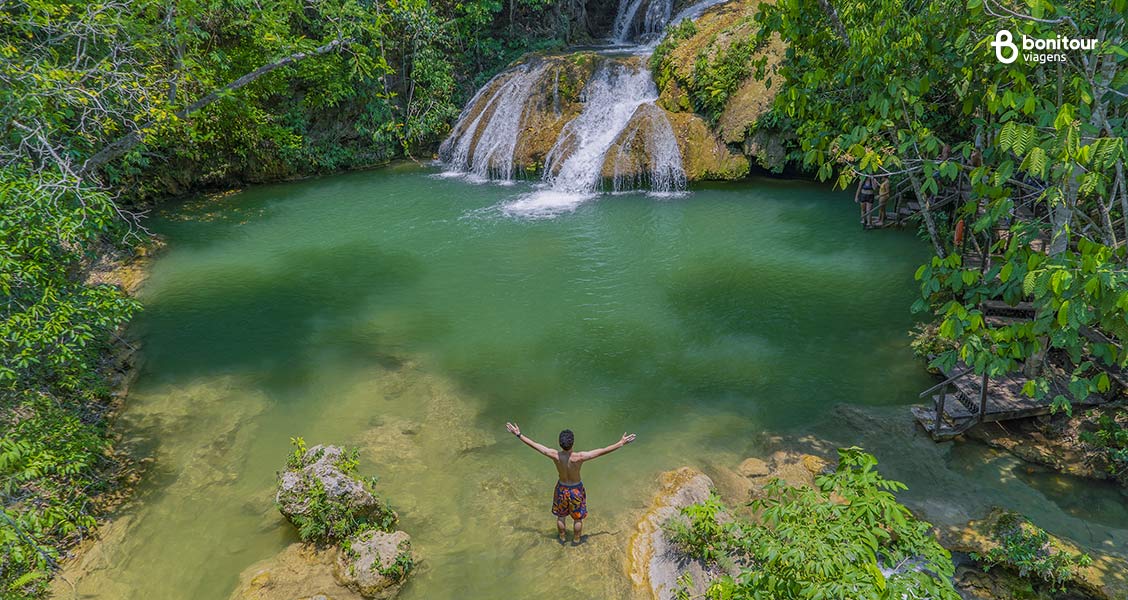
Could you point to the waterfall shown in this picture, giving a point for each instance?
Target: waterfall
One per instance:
(485, 135)
(575, 163)
(655, 15)
(619, 94)
(650, 137)
(619, 135)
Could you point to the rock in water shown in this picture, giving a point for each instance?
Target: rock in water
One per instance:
(299, 571)
(375, 564)
(324, 468)
(654, 563)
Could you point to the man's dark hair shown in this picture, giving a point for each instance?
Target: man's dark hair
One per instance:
(567, 439)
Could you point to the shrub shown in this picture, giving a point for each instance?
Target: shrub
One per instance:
(1112, 438)
(846, 538)
(1028, 549)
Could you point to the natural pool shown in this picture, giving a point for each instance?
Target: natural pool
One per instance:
(406, 314)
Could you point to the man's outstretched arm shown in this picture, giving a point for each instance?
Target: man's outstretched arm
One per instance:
(591, 454)
(545, 450)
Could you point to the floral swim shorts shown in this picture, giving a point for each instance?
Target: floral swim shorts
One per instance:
(569, 500)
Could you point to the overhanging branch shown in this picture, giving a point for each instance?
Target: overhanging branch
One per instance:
(117, 148)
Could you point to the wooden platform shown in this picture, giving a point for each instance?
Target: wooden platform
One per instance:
(960, 403)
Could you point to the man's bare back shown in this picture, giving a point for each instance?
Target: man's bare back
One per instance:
(569, 498)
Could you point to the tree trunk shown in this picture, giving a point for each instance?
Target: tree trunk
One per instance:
(835, 22)
(929, 218)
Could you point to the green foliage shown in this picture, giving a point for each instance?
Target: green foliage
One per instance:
(1033, 156)
(329, 520)
(846, 539)
(1111, 436)
(54, 461)
(347, 83)
(718, 68)
(1028, 549)
(403, 564)
(675, 33)
(704, 533)
(718, 73)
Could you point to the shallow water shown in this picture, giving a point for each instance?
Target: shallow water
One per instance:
(412, 315)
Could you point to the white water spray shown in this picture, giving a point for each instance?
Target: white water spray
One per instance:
(482, 144)
(629, 27)
(574, 167)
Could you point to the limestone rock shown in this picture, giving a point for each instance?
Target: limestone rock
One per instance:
(322, 466)
(375, 564)
(300, 572)
(737, 124)
(748, 480)
(703, 155)
(654, 564)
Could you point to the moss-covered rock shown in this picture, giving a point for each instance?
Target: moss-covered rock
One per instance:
(320, 494)
(708, 67)
(703, 155)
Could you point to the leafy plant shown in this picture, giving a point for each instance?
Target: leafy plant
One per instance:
(1112, 437)
(1031, 160)
(1029, 550)
(332, 520)
(847, 538)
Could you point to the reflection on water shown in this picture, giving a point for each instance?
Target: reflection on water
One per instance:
(400, 313)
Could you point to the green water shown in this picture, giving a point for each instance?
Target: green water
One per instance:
(405, 314)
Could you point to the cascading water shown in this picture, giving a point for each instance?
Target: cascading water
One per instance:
(616, 96)
(482, 144)
(649, 138)
(619, 134)
(575, 163)
(655, 15)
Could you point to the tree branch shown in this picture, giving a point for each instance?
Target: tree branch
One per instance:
(117, 148)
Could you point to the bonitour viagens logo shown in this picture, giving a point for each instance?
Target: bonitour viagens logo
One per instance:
(1007, 51)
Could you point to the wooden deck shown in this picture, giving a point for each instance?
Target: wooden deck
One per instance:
(962, 405)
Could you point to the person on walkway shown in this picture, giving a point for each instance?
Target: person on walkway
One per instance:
(569, 498)
(864, 197)
(883, 193)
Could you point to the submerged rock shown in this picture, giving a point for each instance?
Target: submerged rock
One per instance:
(653, 562)
(375, 564)
(300, 571)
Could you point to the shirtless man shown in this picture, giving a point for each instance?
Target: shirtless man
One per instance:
(569, 497)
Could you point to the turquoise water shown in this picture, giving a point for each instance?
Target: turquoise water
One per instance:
(411, 315)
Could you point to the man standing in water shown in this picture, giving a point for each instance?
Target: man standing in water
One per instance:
(569, 497)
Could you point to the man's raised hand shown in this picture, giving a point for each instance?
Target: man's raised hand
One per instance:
(627, 438)
(514, 429)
